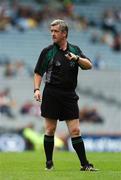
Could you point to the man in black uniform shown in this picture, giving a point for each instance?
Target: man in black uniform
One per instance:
(60, 61)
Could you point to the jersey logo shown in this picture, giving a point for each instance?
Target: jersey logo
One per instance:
(72, 63)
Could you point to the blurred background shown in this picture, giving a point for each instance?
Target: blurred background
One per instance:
(95, 26)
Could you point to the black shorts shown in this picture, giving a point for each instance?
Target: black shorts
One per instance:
(59, 104)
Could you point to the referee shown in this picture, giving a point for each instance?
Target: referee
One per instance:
(61, 61)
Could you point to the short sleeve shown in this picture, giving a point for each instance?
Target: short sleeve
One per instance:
(80, 53)
(40, 67)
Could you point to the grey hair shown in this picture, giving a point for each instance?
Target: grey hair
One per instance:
(62, 24)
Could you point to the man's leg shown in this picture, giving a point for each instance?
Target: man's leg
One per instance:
(50, 127)
(78, 144)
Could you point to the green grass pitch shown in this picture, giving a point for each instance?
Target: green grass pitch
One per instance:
(30, 166)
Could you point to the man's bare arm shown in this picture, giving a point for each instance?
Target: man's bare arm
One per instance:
(37, 83)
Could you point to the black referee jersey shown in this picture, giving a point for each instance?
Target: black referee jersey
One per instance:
(60, 72)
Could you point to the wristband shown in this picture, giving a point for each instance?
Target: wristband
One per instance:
(36, 90)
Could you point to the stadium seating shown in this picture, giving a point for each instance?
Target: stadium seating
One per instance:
(99, 88)
(27, 46)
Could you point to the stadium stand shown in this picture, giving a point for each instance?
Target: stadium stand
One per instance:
(100, 88)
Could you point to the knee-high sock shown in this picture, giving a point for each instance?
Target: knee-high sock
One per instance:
(78, 145)
(48, 147)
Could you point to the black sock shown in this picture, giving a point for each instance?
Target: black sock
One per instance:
(78, 145)
(48, 147)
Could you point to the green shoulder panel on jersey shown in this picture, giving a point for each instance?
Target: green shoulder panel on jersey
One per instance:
(74, 49)
(49, 57)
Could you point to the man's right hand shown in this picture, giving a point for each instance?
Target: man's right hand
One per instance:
(37, 95)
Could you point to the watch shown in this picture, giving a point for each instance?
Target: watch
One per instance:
(77, 58)
(36, 90)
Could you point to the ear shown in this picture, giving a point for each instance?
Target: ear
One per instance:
(65, 34)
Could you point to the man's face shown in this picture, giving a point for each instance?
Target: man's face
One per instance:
(57, 35)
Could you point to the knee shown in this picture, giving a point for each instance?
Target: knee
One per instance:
(50, 131)
(75, 131)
